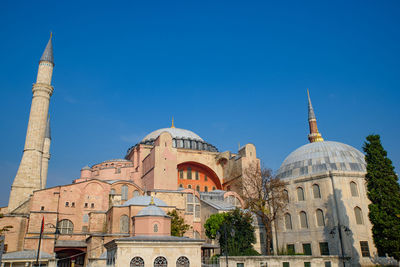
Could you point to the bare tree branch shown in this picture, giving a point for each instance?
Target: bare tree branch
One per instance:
(264, 196)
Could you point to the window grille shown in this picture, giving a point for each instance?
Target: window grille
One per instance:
(65, 227)
(160, 262)
(137, 262)
(182, 261)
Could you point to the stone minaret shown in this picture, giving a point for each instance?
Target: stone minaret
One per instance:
(314, 135)
(29, 173)
(46, 154)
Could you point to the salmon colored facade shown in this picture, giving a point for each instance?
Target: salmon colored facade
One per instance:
(103, 203)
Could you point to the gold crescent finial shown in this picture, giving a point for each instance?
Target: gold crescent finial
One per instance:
(172, 125)
(152, 201)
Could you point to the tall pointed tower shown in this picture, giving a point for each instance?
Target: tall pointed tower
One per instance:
(46, 155)
(314, 135)
(29, 173)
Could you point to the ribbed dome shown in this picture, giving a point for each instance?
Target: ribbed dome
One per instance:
(175, 132)
(320, 157)
(151, 210)
(144, 201)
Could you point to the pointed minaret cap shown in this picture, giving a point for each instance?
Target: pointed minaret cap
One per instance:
(48, 132)
(48, 52)
(314, 135)
(311, 114)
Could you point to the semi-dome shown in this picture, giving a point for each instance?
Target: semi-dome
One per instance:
(175, 132)
(320, 157)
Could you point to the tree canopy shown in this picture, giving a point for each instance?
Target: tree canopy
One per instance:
(178, 225)
(384, 194)
(234, 231)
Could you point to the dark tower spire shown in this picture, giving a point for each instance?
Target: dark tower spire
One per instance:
(314, 135)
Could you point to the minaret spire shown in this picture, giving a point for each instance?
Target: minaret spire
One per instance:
(314, 135)
(48, 51)
(31, 173)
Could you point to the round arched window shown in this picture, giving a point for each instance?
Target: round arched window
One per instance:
(182, 261)
(137, 262)
(65, 227)
(160, 262)
(155, 228)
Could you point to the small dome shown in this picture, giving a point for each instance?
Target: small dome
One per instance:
(86, 168)
(175, 132)
(151, 210)
(321, 157)
(144, 201)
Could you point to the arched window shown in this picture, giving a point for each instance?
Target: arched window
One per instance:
(189, 173)
(359, 216)
(288, 221)
(190, 186)
(155, 228)
(354, 189)
(206, 189)
(303, 220)
(320, 217)
(160, 262)
(66, 227)
(137, 262)
(182, 261)
(196, 207)
(300, 194)
(124, 192)
(316, 191)
(136, 193)
(124, 224)
(198, 188)
(286, 195)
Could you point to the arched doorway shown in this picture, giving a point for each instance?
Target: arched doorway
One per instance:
(65, 257)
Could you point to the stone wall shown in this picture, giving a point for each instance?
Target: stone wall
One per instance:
(277, 261)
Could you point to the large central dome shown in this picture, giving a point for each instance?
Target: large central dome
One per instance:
(181, 138)
(320, 157)
(175, 132)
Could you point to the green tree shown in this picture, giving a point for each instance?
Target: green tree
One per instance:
(178, 225)
(384, 194)
(213, 224)
(234, 231)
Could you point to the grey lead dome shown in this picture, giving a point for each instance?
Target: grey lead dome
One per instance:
(175, 132)
(321, 157)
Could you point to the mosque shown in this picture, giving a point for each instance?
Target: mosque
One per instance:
(115, 213)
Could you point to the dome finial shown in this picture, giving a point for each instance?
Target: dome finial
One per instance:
(152, 201)
(172, 124)
(314, 135)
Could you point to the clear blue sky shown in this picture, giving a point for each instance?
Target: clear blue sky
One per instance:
(231, 71)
